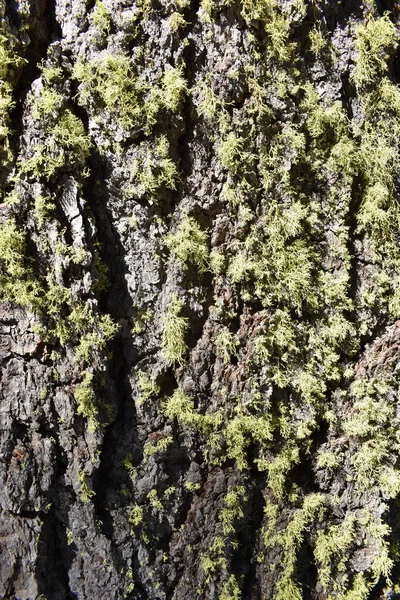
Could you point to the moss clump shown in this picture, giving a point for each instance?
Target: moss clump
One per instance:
(84, 395)
(136, 516)
(112, 81)
(66, 144)
(276, 24)
(174, 87)
(147, 386)
(86, 493)
(18, 283)
(174, 329)
(102, 330)
(154, 170)
(155, 501)
(312, 510)
(176, 21)
(225, 345)
(335, 542)
(276, 262)
(189, 244)
(233, 155)
(101, 17)
(375, 42)
(208, 104)
(161, 445)
(232, 509)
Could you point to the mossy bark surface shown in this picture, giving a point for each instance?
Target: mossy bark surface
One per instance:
(199, 300)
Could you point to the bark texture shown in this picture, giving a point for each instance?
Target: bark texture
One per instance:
(200, 299)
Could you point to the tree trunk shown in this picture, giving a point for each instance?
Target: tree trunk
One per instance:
(200, 300)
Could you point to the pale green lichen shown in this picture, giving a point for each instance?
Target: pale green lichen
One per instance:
(174, 329)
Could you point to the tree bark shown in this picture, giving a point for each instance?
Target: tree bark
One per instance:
(200, 300)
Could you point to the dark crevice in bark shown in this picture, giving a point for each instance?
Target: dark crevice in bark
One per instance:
(20, 431)
(192, 63)
(120, 438)
(43, 29)
(55, 553)
(391, 6)
(356, 198)
(306, 571)
(54, 559)
(24, 514)
(338, 14)
(246, 561)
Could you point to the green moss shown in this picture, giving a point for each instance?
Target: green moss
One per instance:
(311, 511)
(154, 170)
(214, 561)
(66, 145)
(230, 437)
(327, 460)
(101, 17)
(155, 501)
(323, 120)
(225, 345)
(70, 134)
(230, 590)
(276, 25)
(47, 104)
(290, 191)
(161, 445)
(174, 329)
(85, 396)
(147, 386)
(86, 493)
(276, 261)
(102, 330)
(360, 589)
(12, 249)
(113, 82)
(280, 466)
(70, 538)
(51, 73)
(240, 431)
(128, 465)
(232, 509)
(18, 283)
(217, 262)
(176, 21)
(192, 487)
(189, 244)
(136, 516)
(174, 87)
(179, 406)
(207, 8)
(209, 104)
(335, 542)
(43, 209)
(375, 42)
(233, 154)
(317, 40)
